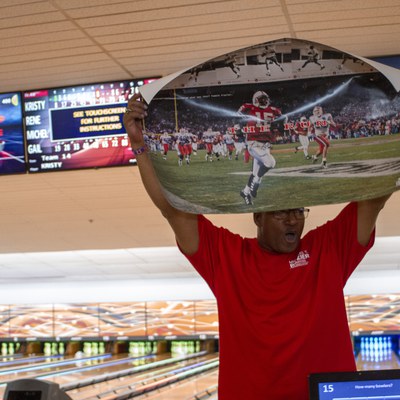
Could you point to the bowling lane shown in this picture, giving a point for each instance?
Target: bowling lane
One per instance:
(13, 361)
(377, 360)
(187, 389)
(120, 383)
(78, 370)
(45, 368)
(90, 370)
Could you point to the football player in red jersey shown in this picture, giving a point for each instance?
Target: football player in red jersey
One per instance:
(302, 127)
(320, 123)
(165, 140)
(258, 116)
(184, 146)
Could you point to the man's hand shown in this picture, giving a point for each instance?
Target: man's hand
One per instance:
(136, 111)
(183, 224)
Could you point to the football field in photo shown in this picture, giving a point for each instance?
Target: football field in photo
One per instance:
(357, 169)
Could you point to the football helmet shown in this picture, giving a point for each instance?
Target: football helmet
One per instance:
(303, 119)
(318, 111)
(260, 99)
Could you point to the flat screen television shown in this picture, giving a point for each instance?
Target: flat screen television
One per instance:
(12, 150)
(78, 126)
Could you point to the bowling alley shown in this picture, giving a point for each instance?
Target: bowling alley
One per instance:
(200, 200)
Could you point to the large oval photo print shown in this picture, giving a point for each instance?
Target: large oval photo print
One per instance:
(278, 125)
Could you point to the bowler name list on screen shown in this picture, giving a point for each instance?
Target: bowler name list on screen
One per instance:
(78, 127)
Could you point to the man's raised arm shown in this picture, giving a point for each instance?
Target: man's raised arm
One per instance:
(367, 214)
(183, 224)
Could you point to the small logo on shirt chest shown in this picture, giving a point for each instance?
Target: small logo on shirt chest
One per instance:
(301, 260)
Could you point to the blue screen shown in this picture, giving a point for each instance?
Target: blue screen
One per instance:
(87, 122)
(392, 61)
(12, 154)
(374, 389)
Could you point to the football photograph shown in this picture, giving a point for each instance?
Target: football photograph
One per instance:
(279, 125)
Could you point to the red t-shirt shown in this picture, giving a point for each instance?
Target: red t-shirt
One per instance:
(281, 317)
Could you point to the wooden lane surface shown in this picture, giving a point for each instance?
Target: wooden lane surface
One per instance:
(95, 368)
(119, 384)
(187, 389)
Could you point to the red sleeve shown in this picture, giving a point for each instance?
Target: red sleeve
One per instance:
(244, 109)
(202, 260)
(214, 245)
(342, 238)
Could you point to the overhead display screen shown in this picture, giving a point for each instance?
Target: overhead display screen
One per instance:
(392, 61)
(12, 155)
(78, 127)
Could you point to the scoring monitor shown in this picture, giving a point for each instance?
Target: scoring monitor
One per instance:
(79, 126)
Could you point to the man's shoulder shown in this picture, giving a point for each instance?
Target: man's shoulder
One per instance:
(208, 225)
(345, 215)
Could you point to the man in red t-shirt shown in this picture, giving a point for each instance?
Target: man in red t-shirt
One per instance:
(280, 297)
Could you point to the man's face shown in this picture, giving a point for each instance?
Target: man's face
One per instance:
(279, 232)
(263, 101)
